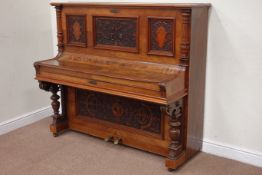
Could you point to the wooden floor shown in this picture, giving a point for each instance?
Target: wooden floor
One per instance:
(33, 151)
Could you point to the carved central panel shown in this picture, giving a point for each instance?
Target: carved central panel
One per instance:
(117, 32)
(141, 115)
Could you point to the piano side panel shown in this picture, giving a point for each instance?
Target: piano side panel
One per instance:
(197, 70)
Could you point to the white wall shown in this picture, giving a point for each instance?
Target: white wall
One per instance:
(234, 78)
(25, 36)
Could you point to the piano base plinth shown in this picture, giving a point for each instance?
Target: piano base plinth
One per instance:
(176, 163)
(59, 127)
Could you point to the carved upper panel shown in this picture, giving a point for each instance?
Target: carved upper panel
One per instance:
(121, 32)
(161, 36)
(76, 30)
(118, 33)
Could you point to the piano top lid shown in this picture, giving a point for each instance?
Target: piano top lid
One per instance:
(133, 4)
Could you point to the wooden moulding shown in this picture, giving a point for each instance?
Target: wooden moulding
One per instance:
(134, 5)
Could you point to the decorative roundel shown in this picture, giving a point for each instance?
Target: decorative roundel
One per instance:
(93, 104)
(144, 116)
(117, 109)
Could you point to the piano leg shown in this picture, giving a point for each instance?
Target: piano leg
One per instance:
(60, 122)
(176, 152)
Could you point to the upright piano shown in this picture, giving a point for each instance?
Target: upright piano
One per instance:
(131, 74)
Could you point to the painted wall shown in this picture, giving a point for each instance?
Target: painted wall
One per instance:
(233, 111)
(25, 36)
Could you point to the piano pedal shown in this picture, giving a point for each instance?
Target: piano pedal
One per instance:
(109, 138)
(117, 141)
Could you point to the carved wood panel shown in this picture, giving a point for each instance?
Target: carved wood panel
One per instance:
(116, 33)
(76, 30)
(161, 36)
(136, 114)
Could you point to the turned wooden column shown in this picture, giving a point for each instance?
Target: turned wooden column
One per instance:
(59, 121)
(174, 112)
(55, 103)
(185, 43)
(59, 29)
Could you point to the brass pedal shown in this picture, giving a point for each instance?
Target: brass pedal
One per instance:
(117, 141)
(107, 139)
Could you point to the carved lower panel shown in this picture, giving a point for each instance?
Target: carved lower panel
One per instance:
(76, 30)
(136, 114)
(175, 113)
(121, 32)
(161, 36)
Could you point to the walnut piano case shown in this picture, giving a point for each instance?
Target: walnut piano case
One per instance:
(132, 74)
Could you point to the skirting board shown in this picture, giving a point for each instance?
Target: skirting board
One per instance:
(232, 152)
(24, 119)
